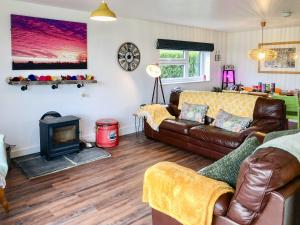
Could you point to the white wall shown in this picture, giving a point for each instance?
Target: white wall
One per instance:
(238, 45)
(119, 94)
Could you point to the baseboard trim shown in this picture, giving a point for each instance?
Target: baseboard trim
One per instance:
(17, 152)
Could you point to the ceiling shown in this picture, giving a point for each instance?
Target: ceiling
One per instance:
(223, 15)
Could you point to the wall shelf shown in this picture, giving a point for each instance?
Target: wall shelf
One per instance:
(54, 84)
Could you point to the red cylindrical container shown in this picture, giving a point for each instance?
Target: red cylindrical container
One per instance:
(107, 133)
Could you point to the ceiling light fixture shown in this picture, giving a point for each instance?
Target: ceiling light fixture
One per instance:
(103, 13)
(261, 53)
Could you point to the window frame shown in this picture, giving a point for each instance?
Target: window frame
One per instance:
(185, 62)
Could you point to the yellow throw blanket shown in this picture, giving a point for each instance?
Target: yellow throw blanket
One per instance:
(154, 114)
(182, 193)
(234, 103)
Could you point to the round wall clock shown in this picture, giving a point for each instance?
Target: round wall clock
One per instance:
(129, 56)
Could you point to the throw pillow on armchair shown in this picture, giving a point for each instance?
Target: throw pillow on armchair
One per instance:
(227, 168)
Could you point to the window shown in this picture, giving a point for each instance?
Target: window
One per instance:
(184, 66)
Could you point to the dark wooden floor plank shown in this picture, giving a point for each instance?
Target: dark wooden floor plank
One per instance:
(107, 192)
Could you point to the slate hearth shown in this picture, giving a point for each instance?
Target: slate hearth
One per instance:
(34, 165)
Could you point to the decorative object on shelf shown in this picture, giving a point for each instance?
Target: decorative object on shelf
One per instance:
(154, 71)
(217, 56)
(287, 61)
(261, 53)
(39, 43)
(129, 56)
(103, 13)
(53, 81)
(228, 76)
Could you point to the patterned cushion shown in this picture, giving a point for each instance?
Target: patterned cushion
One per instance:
(278, 134)
(231, 122)
(193, 112)
(227, 169)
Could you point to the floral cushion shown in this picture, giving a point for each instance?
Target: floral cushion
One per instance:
(193, 112)
(231, 122)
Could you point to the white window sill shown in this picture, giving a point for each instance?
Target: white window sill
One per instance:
(182, 81)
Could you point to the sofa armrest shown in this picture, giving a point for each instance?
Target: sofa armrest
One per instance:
(259, 135)
(173, 110)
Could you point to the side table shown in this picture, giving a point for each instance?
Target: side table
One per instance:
(138, 123)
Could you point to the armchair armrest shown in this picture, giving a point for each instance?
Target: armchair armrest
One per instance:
(222, 204)
(3, 162)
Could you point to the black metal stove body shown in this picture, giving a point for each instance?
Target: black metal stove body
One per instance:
(59, 135)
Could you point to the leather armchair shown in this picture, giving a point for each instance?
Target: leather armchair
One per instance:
(267, 193)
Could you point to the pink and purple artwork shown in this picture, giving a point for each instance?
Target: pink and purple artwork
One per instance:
(39, 43)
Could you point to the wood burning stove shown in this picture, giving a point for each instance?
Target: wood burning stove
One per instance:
(59, 135)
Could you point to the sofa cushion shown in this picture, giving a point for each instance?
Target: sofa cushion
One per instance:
(217, 136)
(227, 169)
(231, 122)
(193, 112)
(178, 125)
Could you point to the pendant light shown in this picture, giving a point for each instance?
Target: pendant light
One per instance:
(261, 53)
(103, 13)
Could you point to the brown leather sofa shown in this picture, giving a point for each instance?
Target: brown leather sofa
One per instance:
(267, 193)
(269, 115)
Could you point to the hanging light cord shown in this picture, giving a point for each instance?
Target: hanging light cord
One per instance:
(263, 24)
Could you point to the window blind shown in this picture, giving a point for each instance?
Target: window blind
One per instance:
(184, 45)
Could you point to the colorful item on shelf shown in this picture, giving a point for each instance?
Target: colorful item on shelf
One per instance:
(15, 79)
(80, 77)
(42, 78)
(272, 88)
(263, 88)
(32, 77)
(267, 87)
(54, 78)
(48, 78)
(259, 86)
(21, 78)
(89, 77)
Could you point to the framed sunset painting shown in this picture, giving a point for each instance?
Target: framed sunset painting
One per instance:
(39, 43)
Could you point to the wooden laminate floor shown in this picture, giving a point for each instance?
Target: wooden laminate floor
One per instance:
(106, 192)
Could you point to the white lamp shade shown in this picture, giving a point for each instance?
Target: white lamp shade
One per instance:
(153, 70)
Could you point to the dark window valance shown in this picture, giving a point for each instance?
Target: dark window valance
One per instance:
(184, 45)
